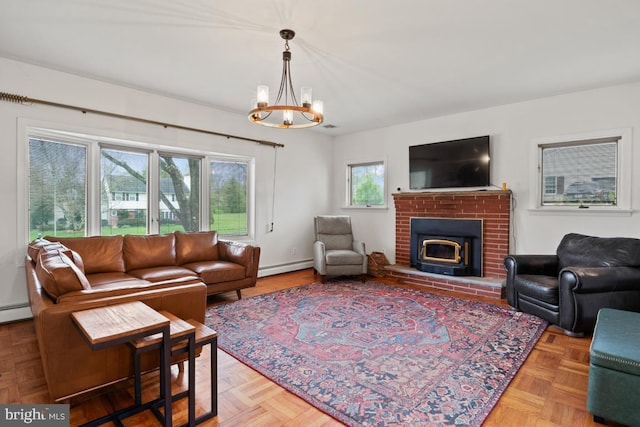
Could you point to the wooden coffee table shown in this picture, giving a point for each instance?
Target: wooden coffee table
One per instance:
(122, 323)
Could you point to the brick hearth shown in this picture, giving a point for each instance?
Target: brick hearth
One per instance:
(493, 207)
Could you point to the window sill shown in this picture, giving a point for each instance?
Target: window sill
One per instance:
(575, 210)
(375, 208)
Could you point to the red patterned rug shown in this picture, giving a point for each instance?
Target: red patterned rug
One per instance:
(371, 354)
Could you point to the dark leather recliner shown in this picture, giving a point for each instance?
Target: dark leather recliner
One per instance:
(569, 288)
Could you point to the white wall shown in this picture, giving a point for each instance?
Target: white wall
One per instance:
(512, 128)
(303, 177)
(310, 176)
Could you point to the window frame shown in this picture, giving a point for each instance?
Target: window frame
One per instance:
(251, 185)
(623, 177)
(349, 165)
(95, 141)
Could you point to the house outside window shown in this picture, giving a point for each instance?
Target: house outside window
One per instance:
(366, 184)
(590, 170)
(587, 171)
(137, 191)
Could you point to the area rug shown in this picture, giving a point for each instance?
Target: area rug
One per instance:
(371, 354)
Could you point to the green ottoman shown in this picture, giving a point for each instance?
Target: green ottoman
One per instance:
(614, 368)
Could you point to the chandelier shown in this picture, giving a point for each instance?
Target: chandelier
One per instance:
(308, 114)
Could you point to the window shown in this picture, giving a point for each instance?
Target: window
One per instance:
(122, 173)
(228, 197)
(366, 182)
(179, 193)
(588, 170)
(57, 190)
(138, 189)
(585, 171)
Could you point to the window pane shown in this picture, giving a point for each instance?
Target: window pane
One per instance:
(228, 197)
(57, 189)
(123, 192)
(367, 184)
(583, 174)
(179, 194)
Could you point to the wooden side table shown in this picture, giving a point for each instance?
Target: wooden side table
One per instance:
(122, 323)
(205, 335)
(186, 337)
(182, 341)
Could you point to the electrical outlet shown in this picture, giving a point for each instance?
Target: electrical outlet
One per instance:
(293, 250)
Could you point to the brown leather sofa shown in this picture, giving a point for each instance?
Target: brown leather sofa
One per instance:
(172, 272)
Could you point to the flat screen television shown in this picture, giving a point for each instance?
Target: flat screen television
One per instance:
(450, 164)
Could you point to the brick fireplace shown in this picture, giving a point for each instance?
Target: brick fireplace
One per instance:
(493, 207)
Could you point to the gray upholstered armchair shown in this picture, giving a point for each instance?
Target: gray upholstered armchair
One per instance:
(335, 253)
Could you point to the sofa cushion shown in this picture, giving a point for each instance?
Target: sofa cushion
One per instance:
(196, 246)
(342, 257)
(117, 277)
(538, 287)
(149, 251)
(578, 250)
(335, 232)
(100, 254)
(158, 274)
(58, 274)
(34, 248)
(217, 271)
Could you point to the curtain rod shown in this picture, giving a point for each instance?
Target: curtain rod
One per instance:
(19, 99)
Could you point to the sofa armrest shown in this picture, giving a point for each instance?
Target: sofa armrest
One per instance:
(241, 253)
(600, 279)
(358, 246)
(65, 353)
(585, 290)
(546, 265)
(319, 257)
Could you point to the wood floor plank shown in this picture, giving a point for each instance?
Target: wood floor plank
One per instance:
(549, 389)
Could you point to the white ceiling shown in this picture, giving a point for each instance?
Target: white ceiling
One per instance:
(374, 63)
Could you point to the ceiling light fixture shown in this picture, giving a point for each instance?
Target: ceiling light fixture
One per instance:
(310, 112)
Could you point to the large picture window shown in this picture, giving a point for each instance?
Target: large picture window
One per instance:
(138, 190)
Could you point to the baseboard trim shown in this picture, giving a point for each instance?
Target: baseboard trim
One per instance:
(284, 268)
(15, 313)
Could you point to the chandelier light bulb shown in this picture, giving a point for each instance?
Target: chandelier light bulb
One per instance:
(263, 95)
(318, 107)
(287, 116)
(305, 97)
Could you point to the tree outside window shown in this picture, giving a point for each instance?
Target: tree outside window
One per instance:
(57, 190)
(228, 197)
(366, 184)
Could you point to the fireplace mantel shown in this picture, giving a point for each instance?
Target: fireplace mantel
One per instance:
(493, 207)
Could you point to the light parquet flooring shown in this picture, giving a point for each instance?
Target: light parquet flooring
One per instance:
(549, 390)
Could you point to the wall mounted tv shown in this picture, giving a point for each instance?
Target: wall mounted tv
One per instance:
(450, 164)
